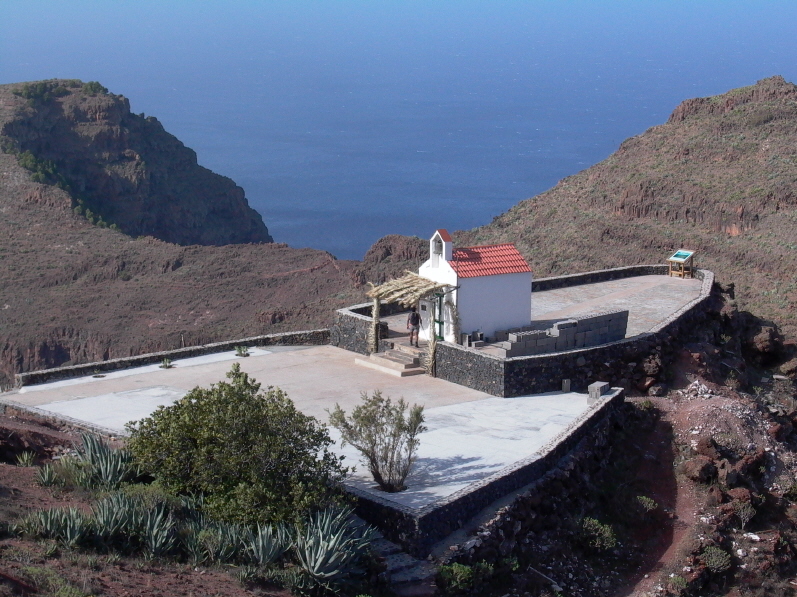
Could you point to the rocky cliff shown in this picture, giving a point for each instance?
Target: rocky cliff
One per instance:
(73, 291)
(122, 169)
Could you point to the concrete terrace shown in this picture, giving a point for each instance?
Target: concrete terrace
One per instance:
(471, 435)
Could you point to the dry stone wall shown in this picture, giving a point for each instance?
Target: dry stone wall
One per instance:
(418, 529)
(352, 326)
(521, 375)
(302, 338)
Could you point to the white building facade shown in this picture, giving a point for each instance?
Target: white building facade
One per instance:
(489, 289)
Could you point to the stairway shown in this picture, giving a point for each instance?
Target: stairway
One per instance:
(406, 576)
(401, 361)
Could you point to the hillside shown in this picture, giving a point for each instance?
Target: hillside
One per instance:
(72, 291)
(121, 168)
(720, 177)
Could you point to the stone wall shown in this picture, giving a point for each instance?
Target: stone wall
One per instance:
(538, 506)
(602, 275)
(518, 376)
(417, 530)
(352, 325)
(306, 337)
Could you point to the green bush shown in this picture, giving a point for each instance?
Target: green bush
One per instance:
(717, 560)
(41, 92)
(597, 535)
(384, 434)
(253, 456)
(93, 88)
(459, 578)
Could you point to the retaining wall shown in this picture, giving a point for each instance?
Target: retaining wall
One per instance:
(306, 337)
(518, 376)
(352, 325)
(418, 529)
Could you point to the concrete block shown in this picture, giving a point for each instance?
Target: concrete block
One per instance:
(590, 337)
(603, 330)
(596, 390)
(571, 342)
(603, 338)
(567, 323)
(561, 344)
(580, 342)
(515, 337)
(565, 385)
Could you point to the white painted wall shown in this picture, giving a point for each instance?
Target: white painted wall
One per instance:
(491, 303)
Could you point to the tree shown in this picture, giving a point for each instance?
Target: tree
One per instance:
(252, 455)
(385, 436)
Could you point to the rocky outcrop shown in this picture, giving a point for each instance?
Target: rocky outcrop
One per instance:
(125, 168)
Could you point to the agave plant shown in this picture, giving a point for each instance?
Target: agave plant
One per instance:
(108, 468)
(46, 476)
(224, 542)
(267, 543)
(329, 548)
(158, 531)
(117, 516)
(26, 458)
(68, 525)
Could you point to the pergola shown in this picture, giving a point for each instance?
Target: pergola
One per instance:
(406, 291)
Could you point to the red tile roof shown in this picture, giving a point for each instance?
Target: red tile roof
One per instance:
(444, 234)
(491, 260)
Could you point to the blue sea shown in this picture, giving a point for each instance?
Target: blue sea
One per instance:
(347, 120)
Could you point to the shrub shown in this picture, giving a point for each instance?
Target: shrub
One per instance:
(385, 436)
(93, 88)
(242, 351)
(744, 512)
(456, 578)
(41, 92)
(253, 456)
(165, 363)
(597, 535)
(647, 504)
(717, 560)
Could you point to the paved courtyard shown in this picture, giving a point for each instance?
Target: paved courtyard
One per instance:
(470, 436)
(649, 300)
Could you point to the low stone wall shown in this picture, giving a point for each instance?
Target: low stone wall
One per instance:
(518, 376)
(417, 530)
(306, 337)
(602, 275)
(352, 325)
(545, 502)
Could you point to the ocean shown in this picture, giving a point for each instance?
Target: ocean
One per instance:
(345, 121)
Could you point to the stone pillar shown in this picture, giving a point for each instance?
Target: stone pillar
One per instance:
(373, 336)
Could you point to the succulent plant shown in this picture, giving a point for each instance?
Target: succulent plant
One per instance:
(329, 549)
(267, 543)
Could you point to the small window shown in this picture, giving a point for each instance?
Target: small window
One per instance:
(423, 307)
(438, 246)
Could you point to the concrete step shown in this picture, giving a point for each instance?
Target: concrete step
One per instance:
(401, 360)
(388, 367)
(407, 576)
(407, 349)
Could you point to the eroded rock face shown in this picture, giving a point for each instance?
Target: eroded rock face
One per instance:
(128, 170)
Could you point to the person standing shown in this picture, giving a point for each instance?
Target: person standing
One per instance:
(414, 325)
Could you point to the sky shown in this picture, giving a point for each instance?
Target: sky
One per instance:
(344, 121)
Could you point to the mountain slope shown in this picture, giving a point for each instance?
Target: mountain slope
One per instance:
(72, 291)
(122, 168)
(720, 177)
